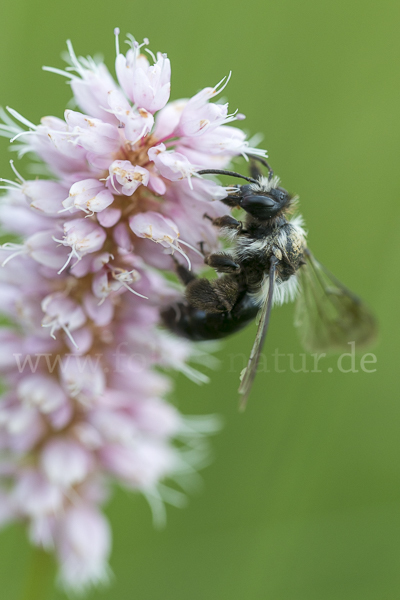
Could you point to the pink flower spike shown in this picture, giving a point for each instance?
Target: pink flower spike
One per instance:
(87, 279)
(126, 178)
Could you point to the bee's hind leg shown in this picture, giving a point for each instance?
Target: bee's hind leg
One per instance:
(214, 296)
(183, 272)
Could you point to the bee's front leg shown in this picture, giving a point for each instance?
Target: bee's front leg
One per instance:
(225, 222)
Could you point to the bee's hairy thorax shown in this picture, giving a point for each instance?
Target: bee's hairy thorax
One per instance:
(259, 242)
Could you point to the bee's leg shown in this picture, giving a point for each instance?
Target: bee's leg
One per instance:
(222, 262)
(215, 296)
(232, 200)
(201, 246)
(183, 272)
(225, 222)
(255, 170)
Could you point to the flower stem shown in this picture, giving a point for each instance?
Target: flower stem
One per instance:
(39, 576)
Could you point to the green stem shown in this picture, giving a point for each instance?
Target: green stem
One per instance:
(39, 577)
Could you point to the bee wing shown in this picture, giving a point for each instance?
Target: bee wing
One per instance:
(328, 315)
(249, 372)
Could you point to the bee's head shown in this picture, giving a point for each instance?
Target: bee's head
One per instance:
(264, 199)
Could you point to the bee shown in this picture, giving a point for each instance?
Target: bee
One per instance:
(269, 264)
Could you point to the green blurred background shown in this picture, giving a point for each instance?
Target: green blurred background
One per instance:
(302, 500)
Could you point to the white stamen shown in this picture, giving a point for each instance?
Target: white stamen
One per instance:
(20, 134)
(116, 33)
(124, 276)
(164, 57)
(6, 131)
(70, 255)
(4, 117)
(183, 254)
(171, 496)
(151, 54)
(54, 324)
(218, 91)
(13, 255)
(22, 150)
(67, 331)
(20, 118)
(63, 210)
(60, 72)
(16, 172)
(157, 507)
(74, 60)
(132, 290)
(7, 187)
(193, 374)
(131, 42)
(112, 183)
(14, 183)
(191, 247)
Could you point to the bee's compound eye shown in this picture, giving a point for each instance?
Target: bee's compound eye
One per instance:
(279, 195)
(260, 207)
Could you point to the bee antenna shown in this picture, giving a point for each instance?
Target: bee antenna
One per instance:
(263, 162)
(230, 173)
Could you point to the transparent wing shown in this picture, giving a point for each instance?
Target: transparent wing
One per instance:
(249, 372)
(328, 315)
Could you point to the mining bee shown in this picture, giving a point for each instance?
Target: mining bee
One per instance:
(269, 264)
